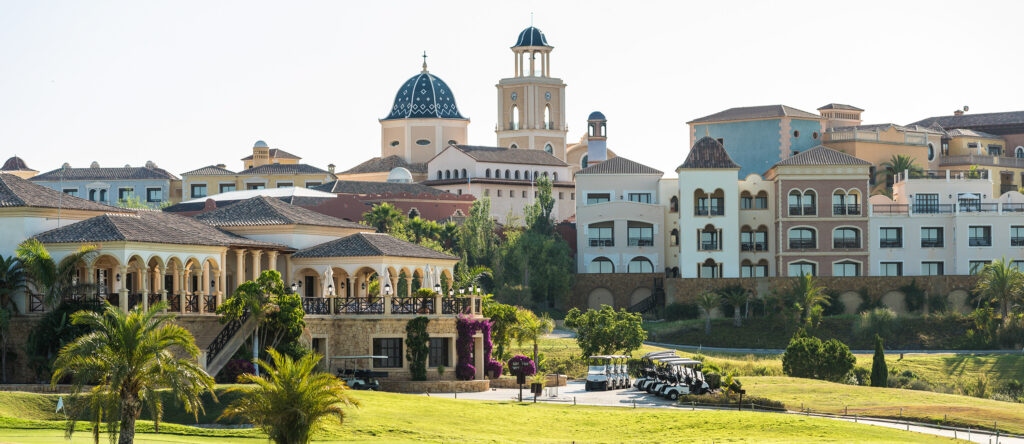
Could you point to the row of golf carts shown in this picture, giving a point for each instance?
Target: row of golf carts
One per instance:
(662, 373)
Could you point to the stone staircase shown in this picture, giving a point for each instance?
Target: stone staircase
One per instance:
(218, 350)
(652, 305)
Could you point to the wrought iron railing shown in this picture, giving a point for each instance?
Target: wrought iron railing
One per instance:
(708, 211)
(845, 243)
(316, 305)
(224, 336)
(931, 243)
(930, 208)
(412, 305)
(35, 303)
(153, 299)
(134, 300)
(802, 210)
(602, 242)
(455, 305)
(174, 302)
(979, 241)
(191, 303)
(357, 305)
(709, 245)
(845, 209)
(210, 303)
(890, 243)
(640, 242)
(1013, 207)
(802, 243)
(1017, 241)
(978, 207)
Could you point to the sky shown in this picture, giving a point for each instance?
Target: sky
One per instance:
(193, 83)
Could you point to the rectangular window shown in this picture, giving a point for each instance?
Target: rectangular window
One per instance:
(198, 190)
(931, 237)
(499, 193)
(154, 194)
(746, 271)
(761, 202)
(123, 194)
(968, 202)
(601, 236)
(995, 150)
(845, 269)
(255, 186)
(523, 194)
(746, 202)
(313, 183)
(932, 269)
(977, 266)
(979, 236)
(439, 352)
(1017, 236)
(640, 197)
(890, 237)
(226, 187)
(561, 195)
(1019, 265)
(390, 347)
(595, 198)
(511, 193)
(572, 196)
(798, 269)
(487, 191)
(285, 184)
(926, 203)
(890, 269)
(640, 236)
(760, 271)
(71, 191)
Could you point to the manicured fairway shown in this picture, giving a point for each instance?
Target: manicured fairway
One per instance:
(386, 417)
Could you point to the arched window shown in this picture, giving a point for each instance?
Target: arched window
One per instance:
(673, 204)
(709, 238)
(810, 203)
(845, 268)
(464, 173)
(709, 269)
(548, 124)
(103, 195)
(439, 175)
(601, 265)
(508, 174)
(548, 149)
(514, 146)
(517, 174)
(931, 152)
(515, 117)
(802, 203)
(640, 265)
(448, 174)
(583, 161)
(674, 237)
(802, 238)
(846, 237)
(801, 268)
(554, 177)
(487, 173)
(603, 133)
(592, 129)
(92, 195)
(1019, 152)
(545, 174)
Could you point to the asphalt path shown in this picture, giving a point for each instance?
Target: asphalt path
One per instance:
(575, 393)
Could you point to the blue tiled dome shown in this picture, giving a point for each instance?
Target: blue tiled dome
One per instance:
(531, 37)
(596, 115)
(424, 96)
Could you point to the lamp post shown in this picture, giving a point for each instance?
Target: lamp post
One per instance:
(437, 288)
(330, 289)
(387, 288)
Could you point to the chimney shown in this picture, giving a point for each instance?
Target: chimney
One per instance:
(209, 205)
(221, 165)
(958, 112)
(330, 168)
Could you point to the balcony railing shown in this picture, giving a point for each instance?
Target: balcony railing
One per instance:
(210, 303)
(979, 241)
(153, 299)
(357, 305)
(641, 242)
(174, 302)
(134, 300)
(846, 209)
(1017, 241)
(1013, 207)
(316, 305)
(802, 244)
(191, 303)
(602, 242)
(930, 208)
(802, 210)
(846, 243)
(708, 211)
(1005, 161)
(932, 243)
(35, 303)
(890, 243)
(754, 246)
(455, 305)
(412, 305)
(941, 174)
(975, 207)
(709, 245)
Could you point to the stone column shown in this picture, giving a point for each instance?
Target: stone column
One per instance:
(145, 289)
(256, 254)
(182, 290)
(219, 289)
(122, 289)
(387, 303)
(478, 355)
(204, 286)
(272, 260)
(239, 266)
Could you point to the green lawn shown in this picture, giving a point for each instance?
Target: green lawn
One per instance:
(886, 402)
(388, 417)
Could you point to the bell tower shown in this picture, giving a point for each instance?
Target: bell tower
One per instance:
(531, 104)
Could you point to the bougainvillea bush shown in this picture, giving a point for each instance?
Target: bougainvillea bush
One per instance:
(466, 328)
(527, 368)
(233, 369)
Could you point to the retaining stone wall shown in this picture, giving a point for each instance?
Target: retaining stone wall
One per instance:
(481, 385)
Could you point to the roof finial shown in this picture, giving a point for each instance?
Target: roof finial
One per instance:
(707, 132)
(424, 61)
(531, 19)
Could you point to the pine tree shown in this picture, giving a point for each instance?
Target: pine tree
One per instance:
(879, 372)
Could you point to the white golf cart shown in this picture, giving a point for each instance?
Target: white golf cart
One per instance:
(357, 376)
(684, 378)
(607, 372)
(647, 373)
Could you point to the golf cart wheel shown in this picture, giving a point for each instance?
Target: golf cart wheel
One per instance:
(673, 395)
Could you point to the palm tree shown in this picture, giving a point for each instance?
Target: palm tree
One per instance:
(530, 328)
(809, 295)
(12, 280)
(128, 357)
(384, 217)
(54, 280)
(708, 301)
(292, 401)
(899, 163)
(467, 277)
(1003, 283)
(448, 235)
(423, 229)
(736, 297)
(257, 299)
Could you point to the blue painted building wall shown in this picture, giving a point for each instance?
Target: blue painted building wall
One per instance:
(755, 144)
(112, 186)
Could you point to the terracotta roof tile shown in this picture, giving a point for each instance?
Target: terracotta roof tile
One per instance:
(263, 210)
(822, 155)
(18, 192)
(147, 226)
(385, 164)
(619, 165)
(370, 244)
(756, 112)
(708, 153)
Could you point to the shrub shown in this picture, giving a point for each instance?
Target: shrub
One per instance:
(913, 296)
(879, 372)
(749, 402)
(835, 306)
(233, 369)
(809, 357)
(417, 346)
(937, 303)
(714, 380)
(879, 321)
(861, 375)
(677, 311)
(527, 367)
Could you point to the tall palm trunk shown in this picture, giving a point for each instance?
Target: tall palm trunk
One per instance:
(736, 316)
(535, 351)
(256, 350)
(707, 323)
(130, 409)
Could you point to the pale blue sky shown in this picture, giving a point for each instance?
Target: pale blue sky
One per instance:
(192, 83)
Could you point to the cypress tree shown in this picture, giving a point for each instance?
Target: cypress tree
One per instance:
(879, 371)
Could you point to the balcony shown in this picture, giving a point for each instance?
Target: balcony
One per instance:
(946, 175)
(1004, 161)
(890, 209)
(979, 241)
(709, 245)
(602, 242)
(1017, 241)
(847, 209)
(890, 243)
(389, 305)
(640, 242)
(977, 207)
(802, 244)
(932, 243)
(846, 243)
(932, 208)
(754, 246)
(708, 211)
(1013, 207)
(802, 210)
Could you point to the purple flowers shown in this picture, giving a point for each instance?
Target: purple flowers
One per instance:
(525, 364)
(466, 328)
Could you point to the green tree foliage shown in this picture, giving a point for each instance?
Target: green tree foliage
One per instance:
(879, 371)
(810, 296)
(385, 218)
(417, 347)
(606, 331)
(1001, 283)
(403, 285)
(279, 314)
(897, 164)
(416, 282)
(503, 319)
(292, 401)
(736, 297)
(126, 358)
(476, 235)
(809, 357)
(12, 281)
(708, 301)
(52, 279)
(541, 263)
(530, 328)
(53, 331)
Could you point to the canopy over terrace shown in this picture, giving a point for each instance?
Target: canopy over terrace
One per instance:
(150, 256)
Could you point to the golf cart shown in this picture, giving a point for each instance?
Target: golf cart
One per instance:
(607, 372)
(356, 376)
(684, 378)
(647, 373)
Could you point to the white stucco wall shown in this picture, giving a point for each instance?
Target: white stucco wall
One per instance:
(709, 181)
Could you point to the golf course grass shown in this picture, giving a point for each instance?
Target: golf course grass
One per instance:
(388, 417)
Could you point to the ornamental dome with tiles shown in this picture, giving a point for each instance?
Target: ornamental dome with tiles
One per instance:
(424, 96)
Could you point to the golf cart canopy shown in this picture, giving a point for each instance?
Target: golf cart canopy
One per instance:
(680, 361)
(660, 354)
(610, 357)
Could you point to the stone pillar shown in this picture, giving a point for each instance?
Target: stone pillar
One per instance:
(182, 291)
(256, 254)
(145, 289)
(163, 298)
(239, 267)
(204, 286)
(478, 356)
(387, 304)
(272, 260)
(122, 290)
(219, 289)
